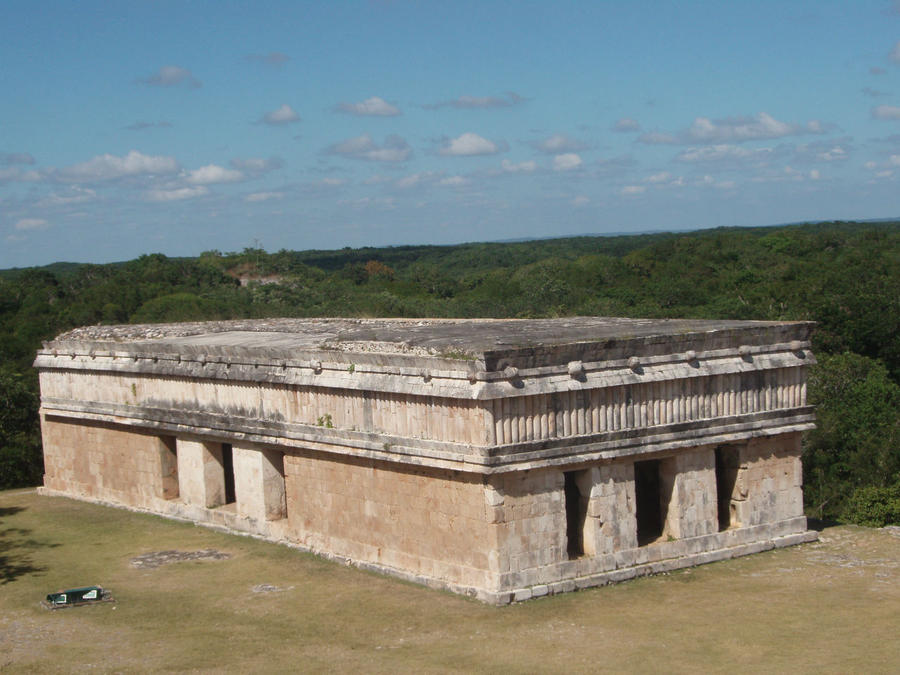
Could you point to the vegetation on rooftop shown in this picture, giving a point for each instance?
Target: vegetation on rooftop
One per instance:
(845, 276)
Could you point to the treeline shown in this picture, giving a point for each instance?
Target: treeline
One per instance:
(845, 276)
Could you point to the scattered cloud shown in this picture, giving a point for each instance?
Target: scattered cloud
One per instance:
(415, 179)
(140, 125)
(873, 93)
(662, 177)
(110, 167)
(256, 166)
(32, 224)
(213, 173)
(886, 112)
(559, 143)
(453, 181)
(722, 152)
(172, 76)
(631, 190)
(468, 145)
(738, 129)
(394, 149)
(734, 130)
(73, 195)
(626, 125)
(263, 196)
(895, 53)
(507, 100)
(177, 194)
(10, 158)
(657, 138)
(520, 167)
(282, 115)
(275, 59)
(580, 200)
(566, 162)
(876, 70)
(371, 107)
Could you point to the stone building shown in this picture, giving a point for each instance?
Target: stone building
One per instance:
(504, 459)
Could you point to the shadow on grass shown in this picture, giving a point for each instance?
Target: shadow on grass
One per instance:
(819, 524)
(15, 547)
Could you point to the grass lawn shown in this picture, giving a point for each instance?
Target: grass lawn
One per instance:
(831, 606)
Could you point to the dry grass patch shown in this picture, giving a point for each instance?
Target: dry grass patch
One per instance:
(832, 606)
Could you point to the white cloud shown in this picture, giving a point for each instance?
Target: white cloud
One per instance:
(717, 153)
(761, 126)
(415, 179)
(835, 154)
(738, 129)
(814, 174)
(73, 195)
(632, 190)
(256, 165)
(111, 167)
(395, 149)
(263, 196)
(469, 144)
(521, 167)
(505, 101)
(580, 200)
(558, 143)
(663, 177)
(374, 107)
(212, 173)
(172, 76)
(177, 194)
(32, 224)
(895, 53)
(282, 115)
(626, 125)
(453, 181)
(886, 112)
(566, 162)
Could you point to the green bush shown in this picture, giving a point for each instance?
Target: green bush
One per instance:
(874, 506)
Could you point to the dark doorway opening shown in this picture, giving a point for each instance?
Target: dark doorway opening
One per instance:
(228, 468)
(650, 507)
(727, 465)
(169, 467)
(576, 514)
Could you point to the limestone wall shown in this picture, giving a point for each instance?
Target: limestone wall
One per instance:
(107, 463)
(769, 481)
(424, 521)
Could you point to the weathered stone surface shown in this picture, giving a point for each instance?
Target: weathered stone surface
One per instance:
(493, 458)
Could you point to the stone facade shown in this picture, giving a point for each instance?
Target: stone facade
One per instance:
(502, 459)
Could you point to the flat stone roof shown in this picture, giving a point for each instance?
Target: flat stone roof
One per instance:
(523, 342)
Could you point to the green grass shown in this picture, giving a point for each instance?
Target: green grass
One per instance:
(832, 606)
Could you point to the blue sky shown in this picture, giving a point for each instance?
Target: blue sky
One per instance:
(179, 127)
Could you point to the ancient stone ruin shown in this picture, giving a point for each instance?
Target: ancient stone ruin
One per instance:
(504, 459)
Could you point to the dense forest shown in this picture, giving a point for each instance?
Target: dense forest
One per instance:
(845, 276)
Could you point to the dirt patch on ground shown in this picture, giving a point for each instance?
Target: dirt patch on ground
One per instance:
(158, 558)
